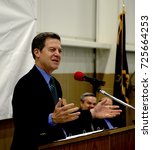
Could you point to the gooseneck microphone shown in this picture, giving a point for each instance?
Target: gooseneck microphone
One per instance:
(80, 76)
(116, 99)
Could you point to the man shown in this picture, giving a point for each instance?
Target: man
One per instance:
(39, 112)
(87, 102)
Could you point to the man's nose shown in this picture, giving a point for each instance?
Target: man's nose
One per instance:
(91, 106)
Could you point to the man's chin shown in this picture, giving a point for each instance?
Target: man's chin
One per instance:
(55, 67)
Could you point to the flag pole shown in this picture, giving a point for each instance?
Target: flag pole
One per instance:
(123, 6)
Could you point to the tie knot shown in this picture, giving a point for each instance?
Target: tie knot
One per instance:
(51, 80)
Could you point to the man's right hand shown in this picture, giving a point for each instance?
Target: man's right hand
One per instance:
(64, 113)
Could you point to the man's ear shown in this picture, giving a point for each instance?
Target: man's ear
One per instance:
(81, 103)
(36, 52)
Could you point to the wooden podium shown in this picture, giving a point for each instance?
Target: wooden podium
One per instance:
(116, 139)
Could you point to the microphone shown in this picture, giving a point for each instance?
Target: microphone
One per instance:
(80, 76)
(116, 99)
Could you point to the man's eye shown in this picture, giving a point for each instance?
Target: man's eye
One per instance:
(52, 49)
(60, 50)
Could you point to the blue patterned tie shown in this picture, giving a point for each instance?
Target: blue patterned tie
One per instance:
(53, 90)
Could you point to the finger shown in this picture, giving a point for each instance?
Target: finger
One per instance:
(116, 112)
(59, 103)
(72, 116)
(112, 115)
(103, 102)
(113, 106)
(68, 106)
(72, 110)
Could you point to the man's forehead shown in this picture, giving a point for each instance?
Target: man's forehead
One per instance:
(90, 99)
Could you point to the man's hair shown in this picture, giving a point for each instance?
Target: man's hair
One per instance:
(85, 95)
(39, 40)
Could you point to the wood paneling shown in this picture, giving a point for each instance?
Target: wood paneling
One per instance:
(117, 139)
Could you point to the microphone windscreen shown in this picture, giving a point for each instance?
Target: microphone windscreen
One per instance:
(79, 76)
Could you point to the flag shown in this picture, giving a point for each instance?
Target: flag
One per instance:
(121, 79)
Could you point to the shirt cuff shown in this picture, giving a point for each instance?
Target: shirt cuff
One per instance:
(50, 122)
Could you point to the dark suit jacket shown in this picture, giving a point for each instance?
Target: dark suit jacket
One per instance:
(32, 103)
(79, 126)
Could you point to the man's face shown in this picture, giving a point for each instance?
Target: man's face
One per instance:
(49, 58)
(88, 102)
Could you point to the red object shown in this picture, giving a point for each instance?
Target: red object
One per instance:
(79, 76)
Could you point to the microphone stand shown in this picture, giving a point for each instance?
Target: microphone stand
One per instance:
(116, 99)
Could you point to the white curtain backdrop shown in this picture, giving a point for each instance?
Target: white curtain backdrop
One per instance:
(17, 29)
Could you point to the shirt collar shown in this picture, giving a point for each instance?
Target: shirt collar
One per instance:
(44, 74)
